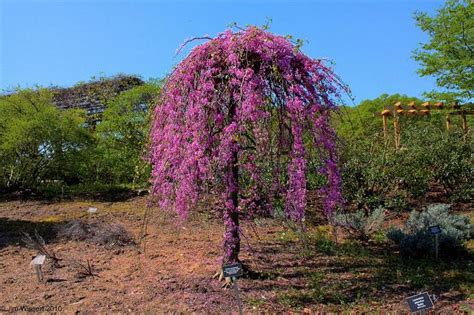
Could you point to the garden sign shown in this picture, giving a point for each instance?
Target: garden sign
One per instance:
(234, 271)
(419, 302)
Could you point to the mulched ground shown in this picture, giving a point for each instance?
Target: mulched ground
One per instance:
(173, 273)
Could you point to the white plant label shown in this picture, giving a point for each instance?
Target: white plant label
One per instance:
(38, 260)
(92, 210)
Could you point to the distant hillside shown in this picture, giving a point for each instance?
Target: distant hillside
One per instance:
(92, 96)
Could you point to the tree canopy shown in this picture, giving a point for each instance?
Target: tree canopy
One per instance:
(38, 141)
(123, 135)
(449, 53)
(241, 116)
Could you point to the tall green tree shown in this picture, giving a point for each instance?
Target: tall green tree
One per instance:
(39, 142)
(123, 135)
(449, 53)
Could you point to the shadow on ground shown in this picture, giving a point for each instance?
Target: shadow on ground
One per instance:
(11, 231)
(55, 194)
(356, 273)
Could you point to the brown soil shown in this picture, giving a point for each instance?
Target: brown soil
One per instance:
(174, 272)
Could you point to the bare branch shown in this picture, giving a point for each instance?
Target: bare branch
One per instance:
(191, 40)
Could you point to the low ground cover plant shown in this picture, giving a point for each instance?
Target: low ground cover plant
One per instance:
(360, 224)
(415, 239)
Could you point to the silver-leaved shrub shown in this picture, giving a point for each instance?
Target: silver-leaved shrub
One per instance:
(416, 240)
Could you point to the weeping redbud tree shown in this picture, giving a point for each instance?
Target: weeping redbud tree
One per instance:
(243, 116)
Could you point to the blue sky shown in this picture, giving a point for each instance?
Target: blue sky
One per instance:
(53, 42)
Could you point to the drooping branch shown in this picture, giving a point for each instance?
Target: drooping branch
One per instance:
(246, 100)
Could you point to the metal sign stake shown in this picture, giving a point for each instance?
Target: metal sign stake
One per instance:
(237, 296)
(37, 262)
(234, 271)
(39, 273)
(435, 230)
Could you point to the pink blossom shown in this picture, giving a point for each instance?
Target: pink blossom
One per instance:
(235, 114)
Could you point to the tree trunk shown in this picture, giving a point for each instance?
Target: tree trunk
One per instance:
(231, 208)
(231, 215)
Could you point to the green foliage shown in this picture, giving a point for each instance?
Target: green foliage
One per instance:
(123, 136)
(47, 149)
(449, 53)
(430, 155)
(366, 176)
(363, 121)
(416, 240)
(451, 165)
(360, 224)
(375, 173)
(325, 245)
(39, 142)
(369, 167)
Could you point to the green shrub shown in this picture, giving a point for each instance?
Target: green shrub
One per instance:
(416, 240)
(325, 246)
(375, 173)
(367, 171)
(360, 224)
(452, 165)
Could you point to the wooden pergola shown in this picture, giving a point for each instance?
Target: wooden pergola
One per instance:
(411, 109)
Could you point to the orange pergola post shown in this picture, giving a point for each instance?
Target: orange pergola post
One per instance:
(465, 128)
(397, 111)
(448, 122)
(385, 114)
(396, 127)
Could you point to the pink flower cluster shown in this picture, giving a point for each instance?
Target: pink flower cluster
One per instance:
(248, 100)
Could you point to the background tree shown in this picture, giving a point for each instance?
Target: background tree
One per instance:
(449, 53)
(39, 142)
(123, 136)
(238, 118)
